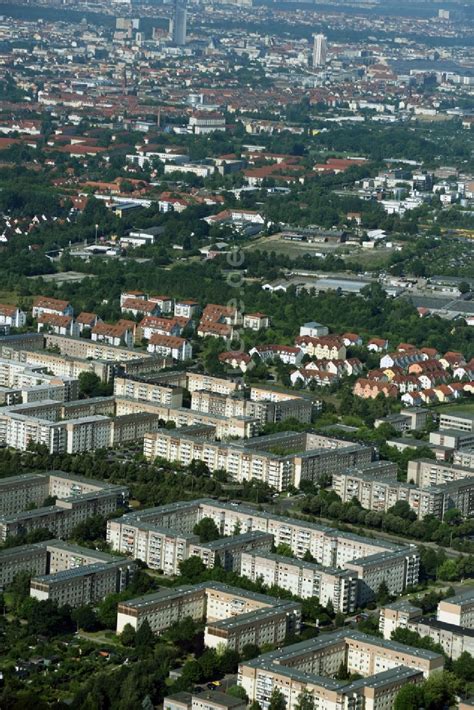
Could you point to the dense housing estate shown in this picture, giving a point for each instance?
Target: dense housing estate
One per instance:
(271, 302)
(163, 537)
(77, 498)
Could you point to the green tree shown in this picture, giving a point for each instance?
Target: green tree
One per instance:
(127, 637)
(284, 549)
(144, 638)
(209, 663)
(107, 611)
(277, 700)
(192, 569)
(448, 571)
(89, 384)
(383, 593)
(439, 690)
(342, 673)
(207, 530)
(249, 651)
(410, 697)
(305, 701)
(229, 661)
(237, 692)
(463, 667)
(85, 618)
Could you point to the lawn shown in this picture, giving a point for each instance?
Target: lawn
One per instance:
(371, 258)
(456, 407)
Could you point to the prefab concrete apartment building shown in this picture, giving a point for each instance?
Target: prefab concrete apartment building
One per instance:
(163, 537)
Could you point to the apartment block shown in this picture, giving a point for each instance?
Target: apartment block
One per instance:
(62, 365)
(78, 498)
(83, 585)
(262, 458)
(220, 385)
(264, 405)
(225, 427)
(385, 667)
(304, 579)
(85, 349)
(458, 610)
(464, 458)
(453, 639)
(49, 558)
(377, 492)
(18, 492)
(22, 382)
(452, 438)
(163, 537)
(460, 421)
(228, 551)
(23, 558)
(234, 617)
(83, 425)
(397, 569)
(427, 472)
(150, 391)
(397, 615)
(213, 700)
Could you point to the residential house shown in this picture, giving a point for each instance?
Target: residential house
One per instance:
(214, 329)
(444, 393)
(138, 307)
(306, 376)
(326, 347)
(186, 309)
(12, 316)
(428, 381)
(45, 304)
(60, 325)
(405, 383)
(377, 345)
(432, 353)
(412, 399)
(221, 314)
(152, 325)
(368, 389)
(464, 372)
(237, 359)
(287, 354)
(452, 360)
(256, 321)
(428, 396)
(402, 359)
(351, 339)
(425, 367)
(86, 321)
(164, 303)
(313, 329)
(170, 346)
(132, 294)
(122, 333)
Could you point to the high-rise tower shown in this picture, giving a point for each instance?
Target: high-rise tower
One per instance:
(320, 50)
(179, 23)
